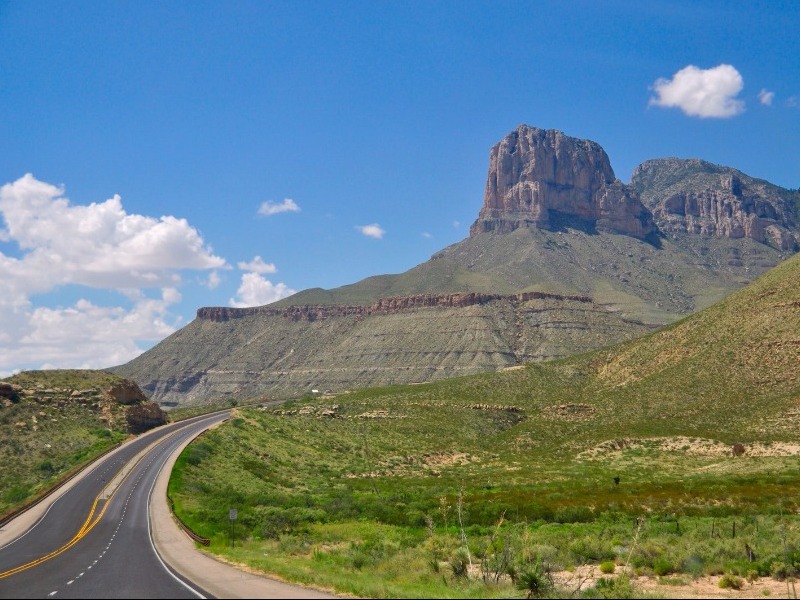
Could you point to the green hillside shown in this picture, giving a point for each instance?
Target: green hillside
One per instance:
(52, 423)
(688, 430)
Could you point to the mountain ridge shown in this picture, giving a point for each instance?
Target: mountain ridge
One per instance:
(555, 222)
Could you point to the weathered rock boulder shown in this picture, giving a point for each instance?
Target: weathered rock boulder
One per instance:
(9, 391)
(698, 197)
(543, 178)
(125, 391)
(143, 417)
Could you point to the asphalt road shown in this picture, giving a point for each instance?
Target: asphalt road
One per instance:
(95, 540)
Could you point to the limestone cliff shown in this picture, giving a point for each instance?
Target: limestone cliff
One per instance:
(545, 179)
(698, 197)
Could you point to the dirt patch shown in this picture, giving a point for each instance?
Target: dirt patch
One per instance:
(587, 576)
(693, 447)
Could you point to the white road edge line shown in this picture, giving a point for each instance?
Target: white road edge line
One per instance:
(150, 535)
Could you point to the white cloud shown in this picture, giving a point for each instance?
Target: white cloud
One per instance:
(213, 280)
(84, 335)
(374, 230)
(456, 224)
(701, 92)
(766, 97)
(257, 265)
(792, 102)
(269, 208)
(257, 291)
(426, 235)
(98, 246)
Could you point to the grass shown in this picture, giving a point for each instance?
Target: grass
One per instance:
(625, 455)
(46, 433)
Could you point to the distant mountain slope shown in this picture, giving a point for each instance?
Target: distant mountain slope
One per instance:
(555, 220)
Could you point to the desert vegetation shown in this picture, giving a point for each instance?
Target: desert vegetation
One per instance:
(673, 457)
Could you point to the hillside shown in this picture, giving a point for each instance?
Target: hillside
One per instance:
(53, 422)
(554, 220)
(691, 433)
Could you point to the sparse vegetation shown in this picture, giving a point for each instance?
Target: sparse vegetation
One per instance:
(56, 422)
(509, 470)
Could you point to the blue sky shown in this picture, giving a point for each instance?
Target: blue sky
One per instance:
(156, 157)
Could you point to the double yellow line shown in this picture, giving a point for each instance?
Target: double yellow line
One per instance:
(88, 525)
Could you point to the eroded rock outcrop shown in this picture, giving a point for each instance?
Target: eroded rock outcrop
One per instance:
(382, 306)
(698, 197)
(126, 392)
(543, 178)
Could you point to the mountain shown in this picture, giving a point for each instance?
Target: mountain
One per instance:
(563, 258)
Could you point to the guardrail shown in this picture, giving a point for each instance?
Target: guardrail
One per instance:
(195, 536)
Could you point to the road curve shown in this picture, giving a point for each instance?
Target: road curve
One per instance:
(95, 538)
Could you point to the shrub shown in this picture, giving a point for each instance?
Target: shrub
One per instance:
(662, 566)
(607, 567)
(782, 571)
(612, 587)
(535, 580)
(731, 582)
(459, 564)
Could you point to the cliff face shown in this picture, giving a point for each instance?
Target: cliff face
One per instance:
(246, 354)
(543, 178)
(383, 306)
(563, 258)
(698, 197)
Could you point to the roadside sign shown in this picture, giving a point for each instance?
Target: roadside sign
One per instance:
(232, 514)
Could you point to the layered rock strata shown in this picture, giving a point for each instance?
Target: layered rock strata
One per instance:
(383, 306)
(701, 198)
(543, 178)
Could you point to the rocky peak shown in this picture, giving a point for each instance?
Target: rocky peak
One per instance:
(543, 178)
(695, 196)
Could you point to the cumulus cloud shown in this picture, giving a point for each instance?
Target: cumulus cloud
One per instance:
(374, 230)
(766, 97)
(99, 246)
(84, 335)
(255, 290)
(701, 92)
(257, 265)
(269, 208)
(213, 280)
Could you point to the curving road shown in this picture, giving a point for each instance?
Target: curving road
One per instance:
(95, 539)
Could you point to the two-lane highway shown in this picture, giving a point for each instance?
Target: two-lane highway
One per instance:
(95, 540)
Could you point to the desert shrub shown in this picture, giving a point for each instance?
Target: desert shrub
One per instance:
(590, 548)
(611, 587)
(459, 564)
(197, 452)
(663, 566)
(781, 571)
(574, 514)
(692, 565)
(731, 582)
(607, 567)
(535, 580)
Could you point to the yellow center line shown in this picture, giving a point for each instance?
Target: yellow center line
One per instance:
(89, 524)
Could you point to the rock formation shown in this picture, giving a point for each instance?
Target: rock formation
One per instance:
(546, 179)
(126, 392)
(382, 306)
(697, 197)
(563, 258)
